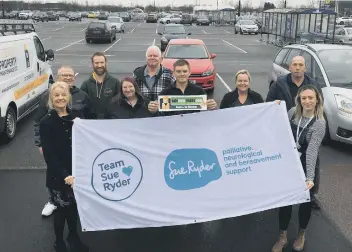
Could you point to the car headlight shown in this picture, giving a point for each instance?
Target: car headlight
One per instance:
(344, 104)
(164, 39)
(208, 73)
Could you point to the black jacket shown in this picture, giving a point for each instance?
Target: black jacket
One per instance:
(280, 90)
(81, 107)
(121, 109)
(101, 94)
(229, 99)
(55, 133)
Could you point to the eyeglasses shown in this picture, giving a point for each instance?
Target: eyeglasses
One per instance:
(66, 75)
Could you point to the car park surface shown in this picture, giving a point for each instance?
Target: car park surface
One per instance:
(22, 168)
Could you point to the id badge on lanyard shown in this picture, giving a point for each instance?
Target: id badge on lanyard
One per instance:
(298, 134)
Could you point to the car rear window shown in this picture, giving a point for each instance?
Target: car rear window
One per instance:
(96, 25)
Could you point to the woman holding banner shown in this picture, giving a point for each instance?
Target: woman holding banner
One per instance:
(242, 95)
(55, 133)
(129, 103)
(308, 127)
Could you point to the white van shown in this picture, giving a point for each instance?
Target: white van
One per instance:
(24, 73)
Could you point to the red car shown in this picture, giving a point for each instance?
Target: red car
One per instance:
(203, 71)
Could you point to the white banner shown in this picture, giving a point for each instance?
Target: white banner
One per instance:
(184, 169)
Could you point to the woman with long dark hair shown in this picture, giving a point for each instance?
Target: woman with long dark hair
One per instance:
(129, 103)
(55, 132)
(308, 127)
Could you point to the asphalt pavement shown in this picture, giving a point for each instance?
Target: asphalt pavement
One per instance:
(22, 175)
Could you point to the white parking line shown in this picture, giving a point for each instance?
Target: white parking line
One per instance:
(204, 32)
(234, 46)
(59, 28)
(139, 24)
(82, 29)
(46, 38)
(69, 45)
(153, 42)
(132, 30)
(112, 44)
(223, 82)
(227, 32)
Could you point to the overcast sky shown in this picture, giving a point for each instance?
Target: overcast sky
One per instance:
(180, 2)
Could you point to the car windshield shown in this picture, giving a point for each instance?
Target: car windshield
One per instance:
(337, 65)
(247, 22)
(174, 30)
(186, 52)
(114, 20)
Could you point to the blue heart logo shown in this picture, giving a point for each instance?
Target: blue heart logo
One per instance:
(127, 170)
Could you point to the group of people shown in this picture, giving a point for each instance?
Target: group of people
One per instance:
(103, 96)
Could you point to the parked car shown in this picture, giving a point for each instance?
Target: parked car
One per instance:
(103, 16)
(175, 19)
(53, 16)
(165, 20)
(40, 16)
(125, 16)
(152, 18)
(203, 71)
(342, 35)
(186, 19)
(13, 14)
(246, 26)
(172, 31)
(25, 14)
(343, 20)
(330, 66)
(100, 31)
(203, 20)
(75, 16)
(118, 23)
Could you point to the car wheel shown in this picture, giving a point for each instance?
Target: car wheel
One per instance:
(342, 23)
(88, 41)
(168, 22)
(327, 138)
(241, 32)
(10, 125)
(123, 31)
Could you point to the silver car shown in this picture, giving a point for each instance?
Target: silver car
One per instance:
(117, 22)
(330, 66)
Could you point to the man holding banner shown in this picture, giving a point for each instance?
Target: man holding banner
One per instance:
(183, 97)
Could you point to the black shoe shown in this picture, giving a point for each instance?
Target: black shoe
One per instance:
(76, 245)
(60, 246)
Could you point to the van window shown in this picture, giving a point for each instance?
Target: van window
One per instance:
(280, 56)
(293, 53)
(39, 48)
(318, 75)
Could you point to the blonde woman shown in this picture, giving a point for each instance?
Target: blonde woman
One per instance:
(55, 133)
(308, 127)
(242, 95)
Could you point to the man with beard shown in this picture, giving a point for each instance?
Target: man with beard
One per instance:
(152, 78)
(101, 87)
(81, 107)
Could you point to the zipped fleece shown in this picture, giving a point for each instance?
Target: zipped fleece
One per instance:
(101, 94)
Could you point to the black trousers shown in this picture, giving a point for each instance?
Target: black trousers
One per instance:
(67, 214)
(304, 214)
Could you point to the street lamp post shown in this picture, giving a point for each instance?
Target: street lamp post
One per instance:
(3, 9)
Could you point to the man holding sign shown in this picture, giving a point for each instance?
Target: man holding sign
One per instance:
(184, 97)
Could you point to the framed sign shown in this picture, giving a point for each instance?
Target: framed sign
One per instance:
(182, 102)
